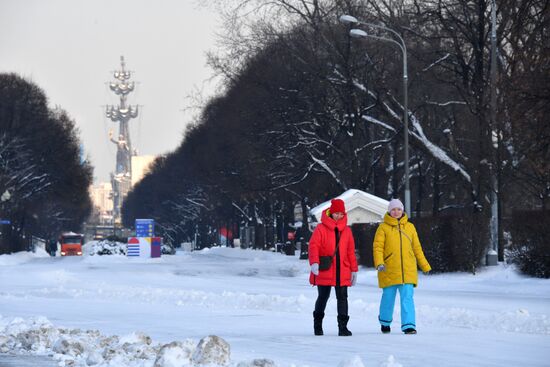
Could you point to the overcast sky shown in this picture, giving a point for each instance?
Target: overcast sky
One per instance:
(71, 47)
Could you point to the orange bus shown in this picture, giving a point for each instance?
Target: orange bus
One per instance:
(71, 244)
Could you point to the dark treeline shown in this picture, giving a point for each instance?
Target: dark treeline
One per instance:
(43, 184)
(308, 112)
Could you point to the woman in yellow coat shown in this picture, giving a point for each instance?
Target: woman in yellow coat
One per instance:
(397, 256)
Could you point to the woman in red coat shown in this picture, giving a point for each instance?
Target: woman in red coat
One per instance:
(342, 272)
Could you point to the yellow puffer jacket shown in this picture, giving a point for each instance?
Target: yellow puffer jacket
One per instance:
(396, 245)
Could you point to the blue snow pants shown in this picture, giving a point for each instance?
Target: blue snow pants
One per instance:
(387, 303)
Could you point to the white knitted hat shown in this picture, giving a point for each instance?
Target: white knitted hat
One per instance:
(395, 203)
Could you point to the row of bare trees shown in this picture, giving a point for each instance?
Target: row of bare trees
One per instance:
(43, 183)
(308, 112)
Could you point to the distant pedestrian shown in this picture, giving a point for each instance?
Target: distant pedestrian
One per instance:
(52, 247)
(333, 264)
(397, 256)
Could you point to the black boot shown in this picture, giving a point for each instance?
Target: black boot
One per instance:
(343, 326)
(318, 322)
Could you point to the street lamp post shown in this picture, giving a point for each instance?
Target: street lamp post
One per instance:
(359, 33)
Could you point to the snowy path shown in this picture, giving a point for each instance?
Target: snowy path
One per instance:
(261, 303)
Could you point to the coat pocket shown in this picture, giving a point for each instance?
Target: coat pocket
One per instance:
(387, 257)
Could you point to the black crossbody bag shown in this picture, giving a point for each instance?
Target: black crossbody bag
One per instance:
(326, 261)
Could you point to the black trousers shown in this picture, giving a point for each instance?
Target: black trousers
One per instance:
(323, 293)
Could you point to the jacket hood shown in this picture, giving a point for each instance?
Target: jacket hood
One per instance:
(388, 219)
(327, 220)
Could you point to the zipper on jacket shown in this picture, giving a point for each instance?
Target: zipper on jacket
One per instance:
(337, 256)
(401, 252)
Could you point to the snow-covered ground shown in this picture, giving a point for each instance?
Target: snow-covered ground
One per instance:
(118, 311)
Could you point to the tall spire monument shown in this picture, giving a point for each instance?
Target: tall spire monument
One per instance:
(122, 113)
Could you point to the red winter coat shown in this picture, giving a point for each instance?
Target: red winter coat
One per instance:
(323, 243)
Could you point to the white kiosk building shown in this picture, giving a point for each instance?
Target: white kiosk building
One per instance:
(361, 207)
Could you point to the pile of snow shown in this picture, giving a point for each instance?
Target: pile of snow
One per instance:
(105, 247)
(75, 347)
(22, 257)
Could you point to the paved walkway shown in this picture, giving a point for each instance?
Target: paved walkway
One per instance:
(7, 360)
